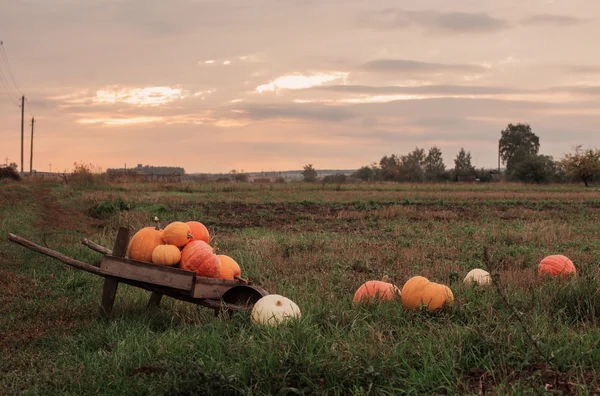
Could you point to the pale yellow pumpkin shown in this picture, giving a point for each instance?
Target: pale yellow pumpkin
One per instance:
(478, 276)
(273, 309)
(166, 255)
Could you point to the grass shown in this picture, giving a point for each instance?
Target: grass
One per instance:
(316, 245)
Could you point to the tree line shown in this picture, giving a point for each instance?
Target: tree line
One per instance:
(518, 150)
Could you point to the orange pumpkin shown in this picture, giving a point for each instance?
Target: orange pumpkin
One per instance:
(166, 255)
(143, 244)
(198, 256)
(556, 266)
(419, 290)
(199, 231)
(376, 291)
(229, 268)
(177, 233)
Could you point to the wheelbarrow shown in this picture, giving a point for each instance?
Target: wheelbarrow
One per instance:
(221, 295)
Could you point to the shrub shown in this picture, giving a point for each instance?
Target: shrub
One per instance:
(9, 173)
(335, 179)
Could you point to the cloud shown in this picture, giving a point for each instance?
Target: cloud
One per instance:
(411, 66)
(582, 69)
(434, 21)
(119, 121)
(299, 81)
(306, 111)
(149, 96)
(551, 20)
(422, 90)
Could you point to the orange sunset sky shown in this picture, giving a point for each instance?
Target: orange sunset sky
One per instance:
(275, 84)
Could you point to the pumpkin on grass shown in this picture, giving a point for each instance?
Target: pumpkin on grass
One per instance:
(143, 244)
(177, 233)
(166, 255)
(198, 256)
(199, 231)
(274, 309)
(372, 291)
(478, 276)
(419, 290)
(556, 265)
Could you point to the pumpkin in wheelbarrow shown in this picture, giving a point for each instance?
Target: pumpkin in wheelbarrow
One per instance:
(229, 268)
(143, 244)
(198, 256)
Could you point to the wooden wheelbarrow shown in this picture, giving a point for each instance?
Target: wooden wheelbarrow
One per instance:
(222, 295)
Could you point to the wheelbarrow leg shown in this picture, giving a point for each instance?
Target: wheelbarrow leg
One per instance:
(109, 291)
(155, 298)
(111, 283)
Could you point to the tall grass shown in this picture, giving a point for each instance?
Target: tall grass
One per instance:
(536, 335)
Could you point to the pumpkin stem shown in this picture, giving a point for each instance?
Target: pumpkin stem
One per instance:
(278, 303)
(385, 278)
(190, 236)
(241, 279)
(157, 223)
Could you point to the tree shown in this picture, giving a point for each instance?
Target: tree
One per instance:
(582, 164)
(534, 168)
(365, 173)
(13, 165)
(462, 164)
(411, 165)
(390, 167)
(516, 143)
(434, 165)
(309, 173)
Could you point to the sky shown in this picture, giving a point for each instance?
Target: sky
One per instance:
(277, 84)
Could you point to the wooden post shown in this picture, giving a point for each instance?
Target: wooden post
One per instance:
(111, 284)
(22, 130)
(109, 292)
(155, 298)
(31, 153)
(120, 249)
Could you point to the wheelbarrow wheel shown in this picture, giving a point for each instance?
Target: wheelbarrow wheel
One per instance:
(243, 295)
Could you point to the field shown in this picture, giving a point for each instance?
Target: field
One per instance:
(316, 245)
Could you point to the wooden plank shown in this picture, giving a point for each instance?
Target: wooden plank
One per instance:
(147, 272)
(96, 247)
(54, 254)
(182, 295)
(209, 291)
(120, 249)
(109, 292)
(213, 287)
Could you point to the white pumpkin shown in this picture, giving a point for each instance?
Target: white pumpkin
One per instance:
(479, 276)
(274, 309)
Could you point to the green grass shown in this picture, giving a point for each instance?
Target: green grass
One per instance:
(315, 245)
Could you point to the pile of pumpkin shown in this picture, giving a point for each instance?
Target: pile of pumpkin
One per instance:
(419, 292)
(186, 246)
(182, 245)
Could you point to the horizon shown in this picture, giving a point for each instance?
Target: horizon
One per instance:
(212, 86)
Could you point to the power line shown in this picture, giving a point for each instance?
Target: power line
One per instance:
(4, 57)
(10, 73)
(7, 87)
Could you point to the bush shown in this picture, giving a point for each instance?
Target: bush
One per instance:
(534, 169)
(338, 178)
(9, 173)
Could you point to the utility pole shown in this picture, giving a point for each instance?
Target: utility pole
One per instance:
(50, 165)
(31, 153)
(22, 129)
(498, 156)
(6, 160)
